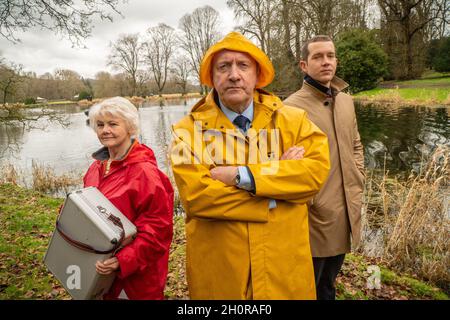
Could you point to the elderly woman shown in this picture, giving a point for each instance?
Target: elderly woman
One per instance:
(126, 172)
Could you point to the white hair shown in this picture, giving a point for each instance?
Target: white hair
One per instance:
(116, 107)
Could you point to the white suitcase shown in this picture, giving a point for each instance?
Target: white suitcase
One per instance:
(89, 229)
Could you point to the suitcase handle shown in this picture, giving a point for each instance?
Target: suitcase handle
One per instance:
(88, 248)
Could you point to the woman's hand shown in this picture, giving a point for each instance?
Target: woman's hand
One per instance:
(108, 266)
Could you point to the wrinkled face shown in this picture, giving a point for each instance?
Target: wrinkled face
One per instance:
(112, 131)
(234, 76)
(321, 63)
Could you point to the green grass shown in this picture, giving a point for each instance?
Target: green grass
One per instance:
(176, 287)
(416, 287)
(61, 102)
(427, 81)
(427, 91)
(26, 223)
(405, 96)
(352, 283)
(27, 220)
(434, 74)
(440, 94)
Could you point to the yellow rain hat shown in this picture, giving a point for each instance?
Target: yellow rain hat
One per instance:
(237, 42)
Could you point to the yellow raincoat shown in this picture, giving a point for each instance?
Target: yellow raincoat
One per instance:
(238, 248)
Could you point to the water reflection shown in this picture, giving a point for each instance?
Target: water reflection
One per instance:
(401, 137)
(171, 102)
(69, 149)
(11, 139)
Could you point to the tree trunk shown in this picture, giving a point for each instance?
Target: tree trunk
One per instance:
(408, 49)
(5, 92)
(410, 62)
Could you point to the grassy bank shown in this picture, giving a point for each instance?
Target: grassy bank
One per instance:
(422, 92)
(26, 223)
(137, 101)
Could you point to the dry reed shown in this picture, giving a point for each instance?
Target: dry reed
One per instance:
(45, 179)
(413, 217)
(9, 174)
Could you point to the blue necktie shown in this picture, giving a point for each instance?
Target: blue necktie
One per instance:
(241, 121)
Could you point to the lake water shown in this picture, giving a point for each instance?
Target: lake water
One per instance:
(399, 138)
(399, 135)
(69, 149)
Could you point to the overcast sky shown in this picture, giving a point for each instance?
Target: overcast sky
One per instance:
(43, 51)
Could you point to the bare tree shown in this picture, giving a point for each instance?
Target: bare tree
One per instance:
(68, 83)
(142, 78)
(122, 86)
(73, 18)
(330, 17)
(282, 26)
(125, 56)
(103, 85)
(258, 18)
(159, 50)
(439, 27)
(405, 24)
(45, 86)
(10, 79)
(17, 115)
(15, 119)
(181, 71)
(200, 31)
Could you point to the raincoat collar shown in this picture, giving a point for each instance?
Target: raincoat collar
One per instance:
(317, 85)
(337, 85)
(248, 112)
(211, 117)
(103, 153)
(135, 154)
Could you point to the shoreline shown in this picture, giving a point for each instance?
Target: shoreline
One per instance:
(135, 99)
(428, 92)
(366, 100)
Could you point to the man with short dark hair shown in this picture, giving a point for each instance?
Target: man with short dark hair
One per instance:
(335, 212)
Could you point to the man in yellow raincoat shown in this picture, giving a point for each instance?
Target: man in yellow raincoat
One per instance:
(245, 166)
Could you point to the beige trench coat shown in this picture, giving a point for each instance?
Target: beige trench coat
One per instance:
(335, 212)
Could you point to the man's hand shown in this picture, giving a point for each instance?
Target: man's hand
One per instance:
(108, 266)
(293, 153)
(226, 174)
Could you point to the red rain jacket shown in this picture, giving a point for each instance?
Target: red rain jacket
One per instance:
(144, 194)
